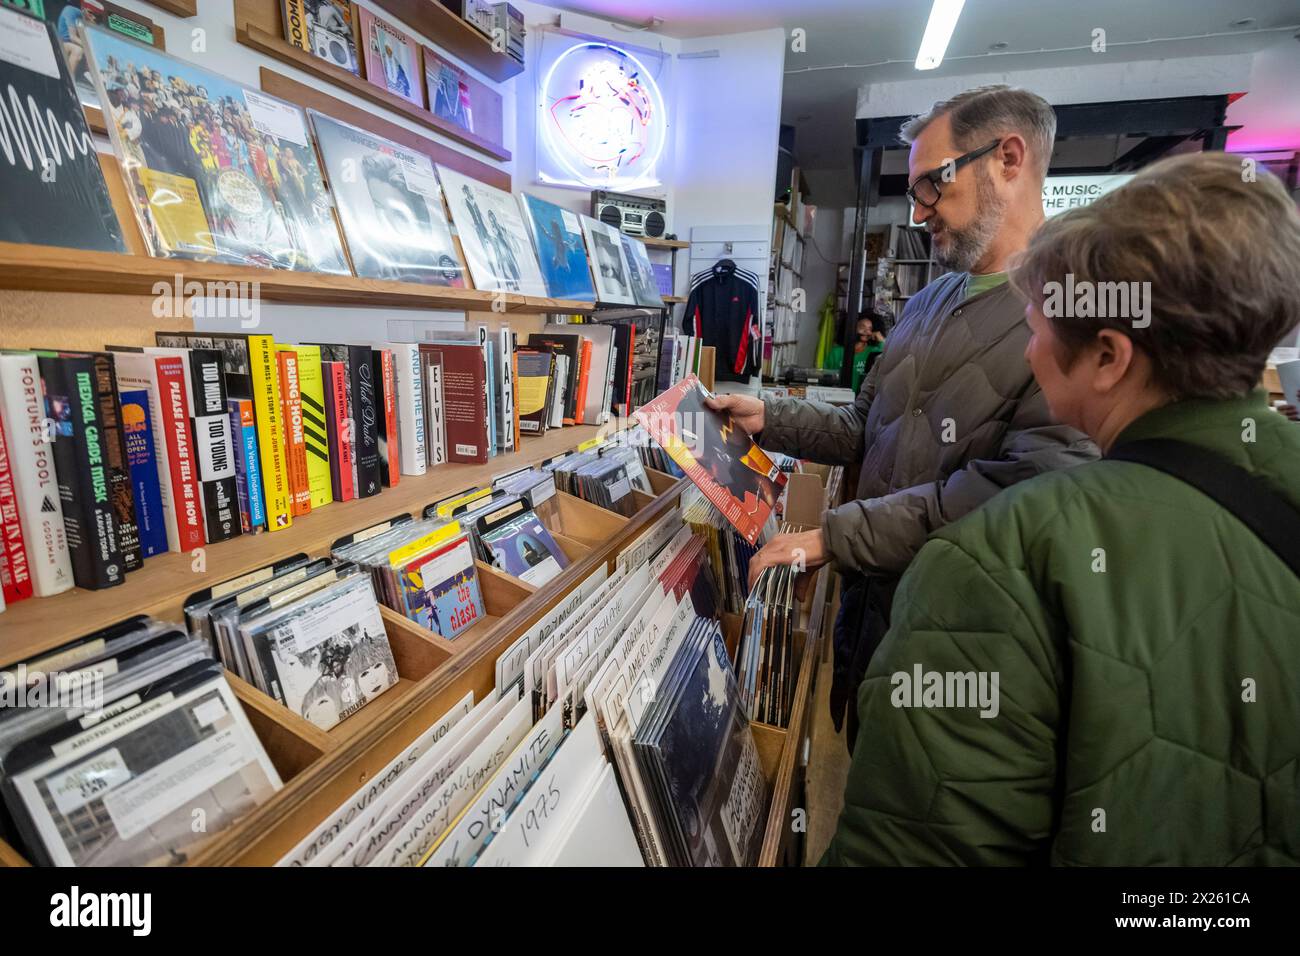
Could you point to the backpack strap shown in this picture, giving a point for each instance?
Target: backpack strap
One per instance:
(1252, 500)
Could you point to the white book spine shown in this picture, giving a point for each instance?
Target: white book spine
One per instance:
(438, 440)
(506, 387)
(410, 408)
(22, 401)
(135, 372)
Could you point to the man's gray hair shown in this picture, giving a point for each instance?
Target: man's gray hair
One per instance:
(987, 112)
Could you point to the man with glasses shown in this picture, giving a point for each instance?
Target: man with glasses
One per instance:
(949, 414)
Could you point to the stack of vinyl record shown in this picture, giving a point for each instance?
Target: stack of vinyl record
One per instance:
(652, 456)
(727, 548)
(765, 660)
(696, 752)
(423, 569)
(604, 476)
(110, 746)
(307, 633)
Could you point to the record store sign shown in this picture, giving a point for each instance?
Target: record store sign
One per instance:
(601, 121)
(1070, 192)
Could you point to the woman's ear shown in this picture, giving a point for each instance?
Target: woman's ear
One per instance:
(1112, 357)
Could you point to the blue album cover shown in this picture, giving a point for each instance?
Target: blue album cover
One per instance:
(524, 549)
(440, 590)
(561, 252)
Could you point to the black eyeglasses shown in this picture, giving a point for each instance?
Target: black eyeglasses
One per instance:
(926, 192)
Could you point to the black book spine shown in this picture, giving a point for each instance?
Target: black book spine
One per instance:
(381, 418)
(119, 472)
(213, 445)
(365, 420)
(82, 468)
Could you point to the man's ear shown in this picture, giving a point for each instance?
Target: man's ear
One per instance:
(1012, 156)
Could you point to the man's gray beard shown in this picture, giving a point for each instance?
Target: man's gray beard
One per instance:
(967, 246)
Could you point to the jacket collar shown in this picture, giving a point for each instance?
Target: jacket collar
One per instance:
(1213, 423)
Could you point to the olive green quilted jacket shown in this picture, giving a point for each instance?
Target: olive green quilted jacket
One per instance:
(1147, 652)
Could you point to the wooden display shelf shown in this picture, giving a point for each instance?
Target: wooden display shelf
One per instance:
(36, 625)
(673, 299)
(55, 269)
(653, 243)
(258, 25)
(454, 35)
(177, 8)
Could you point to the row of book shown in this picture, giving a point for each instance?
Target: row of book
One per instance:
(216, 171)
(108, 458)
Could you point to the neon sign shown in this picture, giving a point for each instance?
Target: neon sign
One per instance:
(602, 119)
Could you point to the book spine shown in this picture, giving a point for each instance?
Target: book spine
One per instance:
(506, 388)
(119, 475)
(311, 389)
(514, 388)
(241, 467)
(410, 409)
(15, 575)
(213, 447)
(265, 375)
(437, 416)
(143, 377)
(492, 406)
(247, 435)
(186, 493)
(365, 412)
(32, 462)
(142, 463)
(344, 490)
(390, 443)
(82, 469)
(584, 378)
(295, 443)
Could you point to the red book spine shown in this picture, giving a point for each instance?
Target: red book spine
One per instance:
(15, 575)
(584, 376)
(390, 417)
(186, 497)
(343, 429)
(295, 442)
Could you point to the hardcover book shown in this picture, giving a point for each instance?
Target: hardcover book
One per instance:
(294, 438)
(39, 107)
(248, 470)
(15, 575)
(568, 344)
(81, 464)
(311, 388)
(264, 372)
(535, 370)
(110, 409)
(140, 376)
(385, 377)
(716, 454)
(142, 462)
(409, 376)
(464, 400)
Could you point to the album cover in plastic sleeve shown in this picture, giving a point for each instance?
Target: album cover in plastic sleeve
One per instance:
(733, 472)
(71, 208)
(392, 58)
(641, 272)
(561, 250)
(215, 170)
(125, 791)
(608, 263)
(390, 204)
(524, 548)
(497, 245)
(323, 28)
(706, 758)
(440, 590)
(329, 656)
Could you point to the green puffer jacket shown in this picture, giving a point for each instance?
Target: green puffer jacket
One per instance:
(1147, 652)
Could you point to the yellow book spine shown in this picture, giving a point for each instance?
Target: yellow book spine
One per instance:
(312, 387)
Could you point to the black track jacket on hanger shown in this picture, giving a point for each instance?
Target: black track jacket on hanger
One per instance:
(723, 311)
